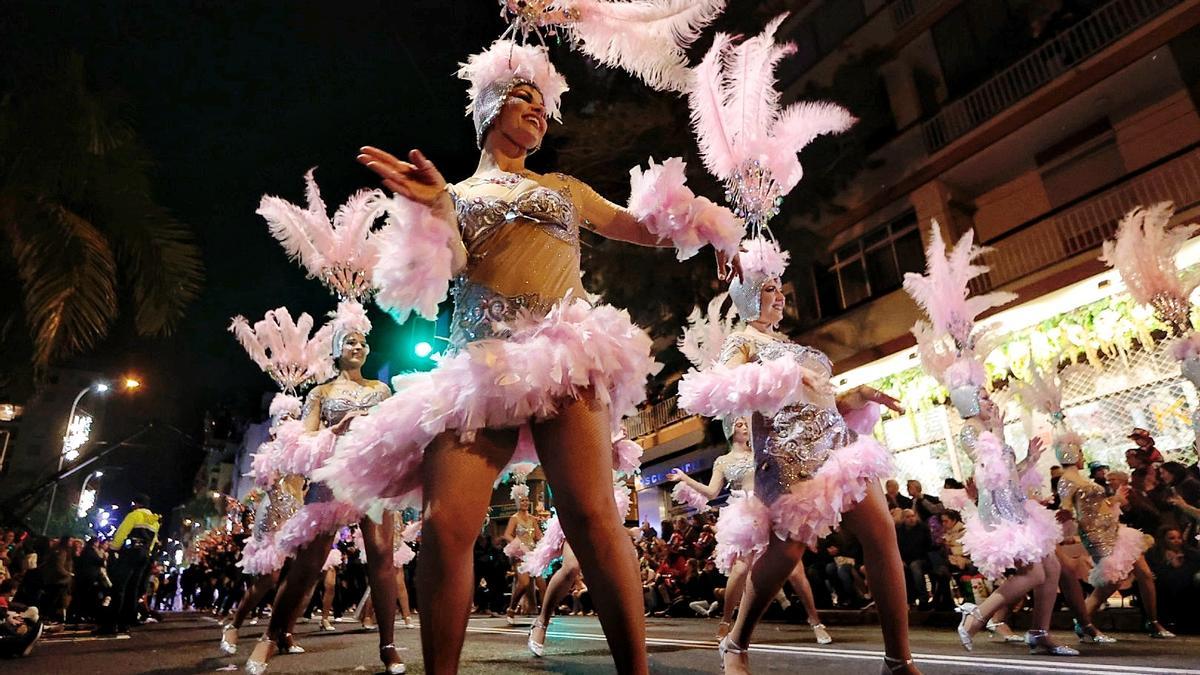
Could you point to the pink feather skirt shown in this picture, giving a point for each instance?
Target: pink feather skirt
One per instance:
(402, 555)
(1116, 566)
(1002, 547)
(576, 350)
(811, 510)
(261, 556)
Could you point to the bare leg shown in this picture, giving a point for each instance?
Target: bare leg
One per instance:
(1046, 593)
(262, 584)
(576, 454)
(799, 581)
(328, 589)
(522, 587)
(766, 578)
(870, 522)
(733, 595)
(1145, 582)
(559, 588)
(457, 483)
(381, 575)
(293, 594)
(402, 596)
(1013, 589)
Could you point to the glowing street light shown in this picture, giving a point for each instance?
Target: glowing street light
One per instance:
(422, 349)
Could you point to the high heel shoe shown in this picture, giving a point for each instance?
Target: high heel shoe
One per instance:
(1157, 631)
(1039, 643)
(228, 648)
(726, 646)
(327, 625)
(969, 610)
(823, 636)
(893, 665)
(1006, 634)
(392, 668)
(511, 617)
(1093, 636)
(538, 648)
(408, 622)
(290, 646)
(260, 667)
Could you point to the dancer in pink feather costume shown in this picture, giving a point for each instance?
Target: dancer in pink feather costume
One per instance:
(522, 534)
(735, 469)
(527, 348)
(311, 532)
(813, 471)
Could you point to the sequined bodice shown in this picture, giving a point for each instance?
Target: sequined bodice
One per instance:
(524, 532)
(480, 217)
(1096, 517)
(1006, 504)
(343, 399)
(279, 505)
(738, 471)
(796, 442)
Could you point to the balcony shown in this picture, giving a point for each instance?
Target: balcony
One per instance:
(904, 11)
(1056, 57)
(654, 417)
(1083, 224)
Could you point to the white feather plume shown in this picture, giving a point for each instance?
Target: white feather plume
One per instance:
(706, 332)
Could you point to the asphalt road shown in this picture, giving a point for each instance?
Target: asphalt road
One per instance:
(188, 644)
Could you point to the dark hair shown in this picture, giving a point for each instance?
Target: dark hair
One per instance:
(952, 484)
(953, 515)
(1138, 477)
(141, 499)
(1178, 471)
(8, 586)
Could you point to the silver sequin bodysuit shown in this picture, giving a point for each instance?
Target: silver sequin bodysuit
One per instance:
(271, 512)
(791, 446)
(524, 533)
(1005, 505)
(739, 472)
(1094, 514)
(337, 401)
(522, 241)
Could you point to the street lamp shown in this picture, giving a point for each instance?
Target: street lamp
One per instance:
(79, 429)
(87, 496)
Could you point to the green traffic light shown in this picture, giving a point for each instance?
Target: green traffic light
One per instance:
(422, 349)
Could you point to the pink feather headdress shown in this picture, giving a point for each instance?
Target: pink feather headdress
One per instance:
(644, 37)
(283, 348)
(746, 140)
(350, 317)
(284, 406)
(505, 61)
(1144, 255)
(340, 252)
(950, 347)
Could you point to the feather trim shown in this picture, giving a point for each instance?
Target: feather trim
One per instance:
(416, 260)
(705, 334)
(504, 60)
(660, 198)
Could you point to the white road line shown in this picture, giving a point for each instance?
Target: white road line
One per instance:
(1058, 666)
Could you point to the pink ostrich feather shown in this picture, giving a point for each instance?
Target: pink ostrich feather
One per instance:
(285, 405)
(743, 531)
(762, 257)
(736, 115)
(627, 456)
(993, 467)
(706, 332)
(1144, 251)
(279, 345)
(1118, 565)
(402, 555)
(411, 532)
(644, 37)
(766, 387)
(322, 245)
(505, 60)
(1041, 390)
(943, 292)
(350, 317)
(995, 549)
(311, 520)
(685, 494)
(416, 260)
(660, 198)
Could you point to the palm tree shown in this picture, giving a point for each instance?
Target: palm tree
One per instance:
(84, 235)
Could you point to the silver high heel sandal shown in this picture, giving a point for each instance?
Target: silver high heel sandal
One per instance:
(968, 610)
(726, 646)
(894, 665)
(392, 668)
(292, 647)
(538, 648)
(259, 667)
(823, 636)
(228, 648)
(993, 627)
(1039, 643)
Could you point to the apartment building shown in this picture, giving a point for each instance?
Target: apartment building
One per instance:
(1037, 123)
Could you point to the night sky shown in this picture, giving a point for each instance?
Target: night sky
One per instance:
(237, 99)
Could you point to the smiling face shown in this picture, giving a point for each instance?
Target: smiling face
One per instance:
(354, 352)
(523, 504)
(772, 301)
(522, 120)
(741, 431)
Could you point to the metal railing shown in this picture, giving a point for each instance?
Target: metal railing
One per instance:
(1086, 223)
(654, 417)
(1088, 37)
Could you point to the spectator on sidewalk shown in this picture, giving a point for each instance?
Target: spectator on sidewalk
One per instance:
(915, 543)
(133, 543)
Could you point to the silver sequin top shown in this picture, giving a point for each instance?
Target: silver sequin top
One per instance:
(1095, 515)
(791, 446)
(273, 511)
(524, 533)
(336, 400)
(738, 471)
(1005, 505)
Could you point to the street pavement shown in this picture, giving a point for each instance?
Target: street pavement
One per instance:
(187, 643)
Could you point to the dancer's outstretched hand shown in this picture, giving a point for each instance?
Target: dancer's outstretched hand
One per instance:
(860, 396)
(417, 179)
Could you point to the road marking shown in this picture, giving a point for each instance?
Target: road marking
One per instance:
(1057, 666)
(83, 638)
